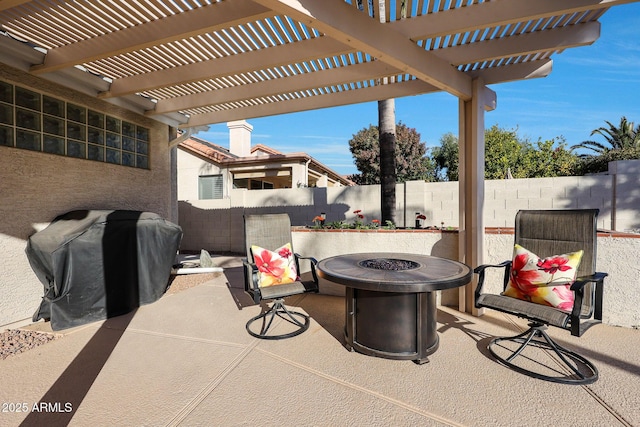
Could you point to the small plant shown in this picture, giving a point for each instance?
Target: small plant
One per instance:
(338, 225)
(358, 223)
(319, 222)
(389, 225)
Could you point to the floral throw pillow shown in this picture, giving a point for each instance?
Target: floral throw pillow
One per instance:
(275, 267)
(545, 281)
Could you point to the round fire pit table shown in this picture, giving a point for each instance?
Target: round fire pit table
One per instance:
(390, 300)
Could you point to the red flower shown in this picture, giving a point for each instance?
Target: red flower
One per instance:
(551, 265)
(357, 212)
(421, 216)
(523, 279)
(566, 295)
(284, 252)
(266, 264)
(375, 221)
(360, 216)
(318, 218)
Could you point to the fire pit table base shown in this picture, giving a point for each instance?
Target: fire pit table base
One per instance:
(391, 325)
(391, 300)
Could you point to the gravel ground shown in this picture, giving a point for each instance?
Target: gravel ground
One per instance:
(16, 341)
(181, 282)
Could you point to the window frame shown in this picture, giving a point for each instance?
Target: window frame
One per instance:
(69, 129)
(219, 182)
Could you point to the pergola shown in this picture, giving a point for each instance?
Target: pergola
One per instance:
(190, 63)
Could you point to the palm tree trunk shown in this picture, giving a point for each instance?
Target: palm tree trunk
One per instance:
(387, 130)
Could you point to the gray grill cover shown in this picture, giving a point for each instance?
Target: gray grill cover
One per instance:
(99, 264)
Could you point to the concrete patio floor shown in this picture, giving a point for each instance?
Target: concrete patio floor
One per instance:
(186, 360)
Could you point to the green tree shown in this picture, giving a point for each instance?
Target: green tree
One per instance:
(506, 152)
(597, 164)
(411, 161)
(446, 158)
(551, 158)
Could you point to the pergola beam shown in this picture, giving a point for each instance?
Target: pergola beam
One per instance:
(492, 49)
(291, 84)
(332, 77)
(343, 22)
(297, 52)
(524, 44)
(8, 4)
(492, 14)
(348, 97)
(520, 71)
(176, 27)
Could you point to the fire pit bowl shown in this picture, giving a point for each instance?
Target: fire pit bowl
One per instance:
(389, 264)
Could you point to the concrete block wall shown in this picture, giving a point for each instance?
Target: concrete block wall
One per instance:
(617, 196)
(626, 211)
(504, 198)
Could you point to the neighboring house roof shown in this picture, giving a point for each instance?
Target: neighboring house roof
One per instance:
(260, 149)
(206, 149)
(220, 155)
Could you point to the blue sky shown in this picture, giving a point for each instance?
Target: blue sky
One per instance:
(587, 86)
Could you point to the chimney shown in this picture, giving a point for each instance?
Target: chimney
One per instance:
(240, 138)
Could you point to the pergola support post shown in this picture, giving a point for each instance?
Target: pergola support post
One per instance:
(471, 185)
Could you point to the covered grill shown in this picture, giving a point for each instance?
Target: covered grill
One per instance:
(96, 264)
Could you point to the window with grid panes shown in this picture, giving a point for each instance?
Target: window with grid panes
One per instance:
(38, 122)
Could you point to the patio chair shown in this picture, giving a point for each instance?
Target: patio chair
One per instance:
(553, 247)
(271, 272)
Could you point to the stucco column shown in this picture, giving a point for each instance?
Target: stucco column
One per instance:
(173, 160)
(471, 185)
(323, 181)
(300, 175)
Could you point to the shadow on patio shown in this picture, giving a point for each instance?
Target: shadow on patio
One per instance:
(187, 360)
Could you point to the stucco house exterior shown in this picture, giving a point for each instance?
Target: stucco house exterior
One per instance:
(63, 149)
(209, 171)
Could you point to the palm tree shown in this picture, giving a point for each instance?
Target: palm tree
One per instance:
(624, 136)
(387, 135)
(387, 127)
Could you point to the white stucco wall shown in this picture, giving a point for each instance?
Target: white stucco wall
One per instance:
(325, 244)
(36, 187)
(616, 256)
(191, 167)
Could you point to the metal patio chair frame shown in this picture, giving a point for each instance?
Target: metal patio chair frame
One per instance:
(547, 233)
(272, 231)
